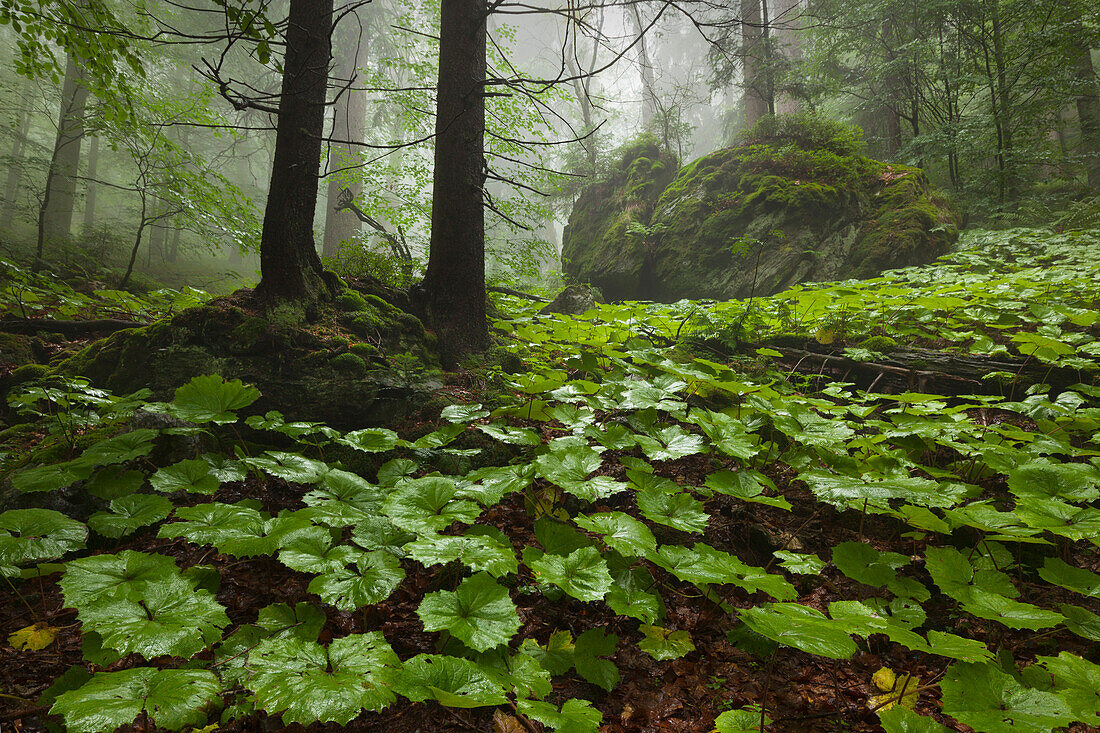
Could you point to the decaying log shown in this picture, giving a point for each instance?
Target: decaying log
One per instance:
(68, 328)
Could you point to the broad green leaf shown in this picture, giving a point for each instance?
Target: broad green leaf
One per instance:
(746, 485)
(236, 529)
(50, 478)
(166, 616)
(428, 505)
(510, 435)
(1081, 581)
(372, 579)
(621, 532)
(1041, 479)
(679, 510)
(800, 627)
(454, 682)
(987, 699)
(173, 698)
(900, 720)
(125, 573)
(799, 563)
(631, 595)
(664, 644)
(211, 399)
(120, 449)
(463, 413)
(863, 563)
(113, 482)
(1074, 679)
(307, 682)
(130, 513)
(33, 535)
(315, 551)
(671, 443)
(479, 613)
(556, 656)
(575, 716)
(1082, 622)
(192, 475)
(438, 438)
(303, 620)
(291, 467)
(740, 721)
(842, 490)
(702, 564)
(481, 549)
(582, 574)
(587, 652)
(370, 440)
(568, 466)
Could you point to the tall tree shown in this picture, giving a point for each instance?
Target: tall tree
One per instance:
(90, 186)
(289, 266)
(757, 102)
(349, 127)
(454, 283)
(18, 151)
(55, 216)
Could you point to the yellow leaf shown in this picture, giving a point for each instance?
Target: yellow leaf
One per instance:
(34, 637)
(897, 690)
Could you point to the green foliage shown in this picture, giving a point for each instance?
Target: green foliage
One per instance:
(174, 698)
(806, 130)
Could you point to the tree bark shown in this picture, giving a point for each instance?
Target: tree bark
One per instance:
(90, 187)
(18, 150)
(454, 283)
(752, 62)
(349, 125)
(289, 266)
(55, 217)
(650, 106)
(1088, 106)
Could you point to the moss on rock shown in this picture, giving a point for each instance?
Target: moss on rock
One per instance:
(794, 202)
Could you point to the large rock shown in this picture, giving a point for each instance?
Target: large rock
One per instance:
(364, 363)
(795, 203)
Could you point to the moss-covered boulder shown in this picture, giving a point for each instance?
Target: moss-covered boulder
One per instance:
(794, 202)
(612, 214)
(305, 370)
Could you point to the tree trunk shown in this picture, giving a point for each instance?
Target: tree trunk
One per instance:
(650, 106)
(454, 284)
(787, 42)
(289, 266)
(18, 150)
(1088, 106)
(349, 125)
(90, 187)
(752, 62)
(55, 217)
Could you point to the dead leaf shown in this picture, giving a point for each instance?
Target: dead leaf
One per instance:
(33, 638)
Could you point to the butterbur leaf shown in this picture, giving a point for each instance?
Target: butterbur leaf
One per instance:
(989, 700)
(236, 529)
(166, 616)
(303, 620)
(800, 564)
(746, 485)
(35, 637)
(375, 575)
(33, 535)
(900, 720)
(679, 510)
(314, 551)
(841, 490)
(556, 656)
(582, 574)
(307, 682)
(130, 513)
(671, 443)
(50, 478)
(486, 551)
(192, 475)
(630, 595)
(454, 682)
(589, 647)
(575, 716)
(120, 449)
(211, 399)
(463, 413)
(291, 467)
(87, 579)
(621, 532)
(510, 435)
(665, 644)
(1061, 573)
(568, 465)
(370, 440)
(801, 627)
(1082, 622)
(173, 698)
(429, 504)
(479, 613)
(745, 720)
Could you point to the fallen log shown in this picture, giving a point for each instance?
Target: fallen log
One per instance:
(68, 328)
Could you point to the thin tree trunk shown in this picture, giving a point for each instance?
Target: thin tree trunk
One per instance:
(90, 186)
(18, 150)
(289, 266)
(55, 218)
(787, 42)
(454, 283)
(650, 106)
(349, 125)
(756, 105)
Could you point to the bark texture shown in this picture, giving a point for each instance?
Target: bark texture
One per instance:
(454, 284)
(752, 62)
(289, 266)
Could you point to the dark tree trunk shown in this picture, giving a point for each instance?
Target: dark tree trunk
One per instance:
(752, 62)
(349, 125)
(650, 105)
(1088, 106)
(289, 266)
(18, 149)
(454, 284)
(55, 217)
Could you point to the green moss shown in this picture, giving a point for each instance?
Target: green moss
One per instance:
(881, 344)
(247, 335)
(364, 350)
(29, 373)
(410, 324)
(16, 349)
(349, 363)
(337, 342)
(351, 301)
